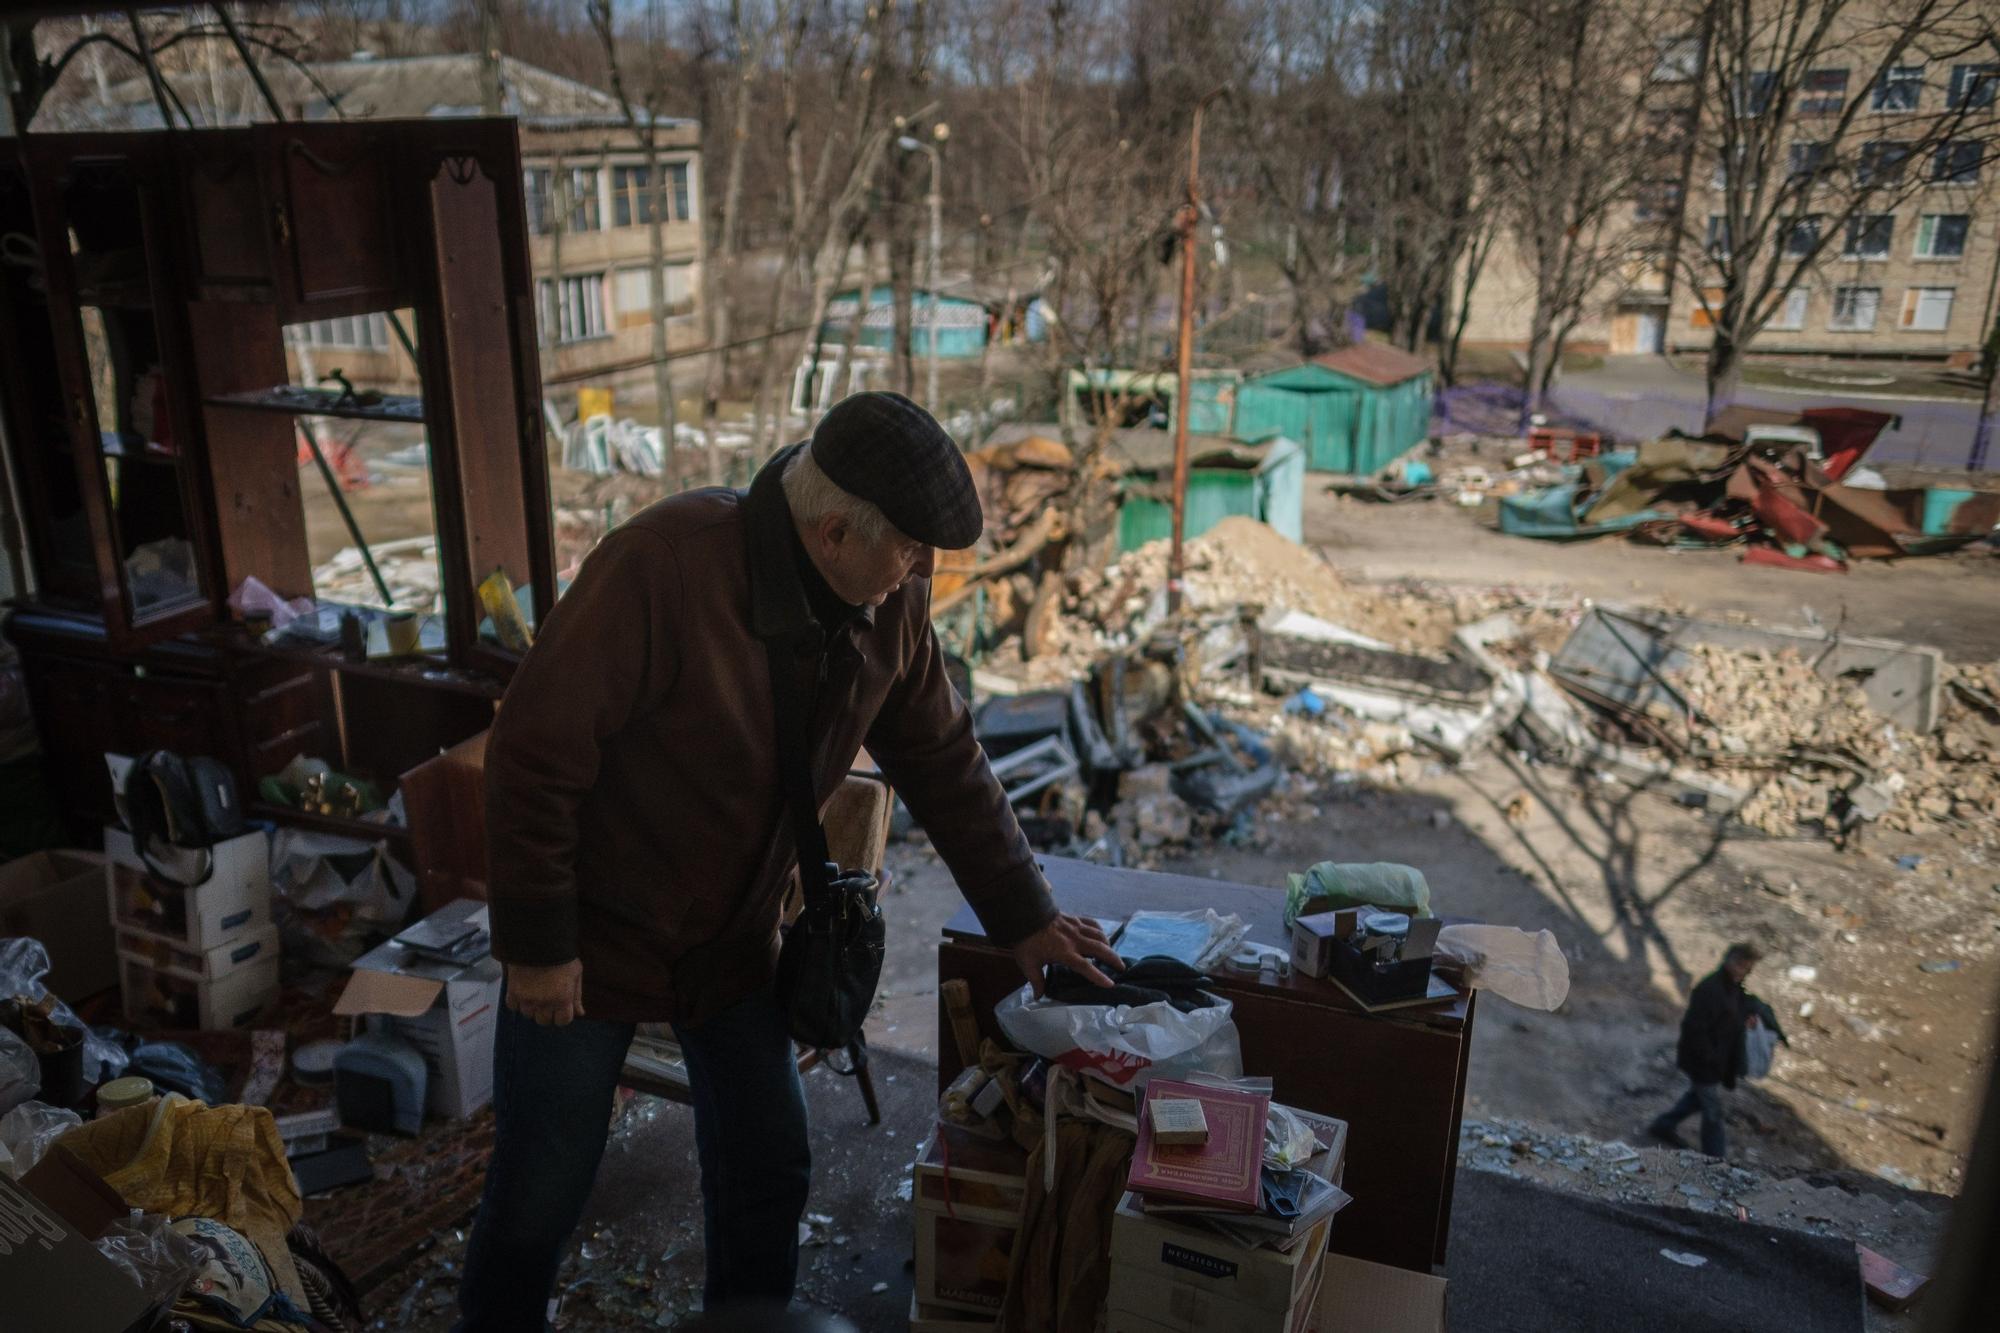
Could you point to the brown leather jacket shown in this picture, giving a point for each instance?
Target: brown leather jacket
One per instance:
(632, 803)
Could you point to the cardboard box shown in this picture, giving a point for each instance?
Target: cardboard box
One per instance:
(57, 897)
(933, 1319)
(447, 1011)
(168, 954)
(1312, 943)
(977, 1178)
(1363, 1297)
(54, 1279)
(167, 997)
(1180, 1276)
(235, 899)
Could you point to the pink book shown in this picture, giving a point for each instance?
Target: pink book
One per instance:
(1224, 1173)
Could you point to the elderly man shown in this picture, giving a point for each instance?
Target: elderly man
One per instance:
(640, 850)
(1711, 1051)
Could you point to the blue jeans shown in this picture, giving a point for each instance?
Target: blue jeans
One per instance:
(552, 1095)
(1706, 1098)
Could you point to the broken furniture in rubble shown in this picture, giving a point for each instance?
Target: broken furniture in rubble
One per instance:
(1397, 1078)
(144, 381)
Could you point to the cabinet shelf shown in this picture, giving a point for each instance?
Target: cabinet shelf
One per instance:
(295, 400)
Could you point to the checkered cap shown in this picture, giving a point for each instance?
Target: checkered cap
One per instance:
(885, 449)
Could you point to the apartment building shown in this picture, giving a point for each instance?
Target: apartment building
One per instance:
(1912, 277)
(589, 195)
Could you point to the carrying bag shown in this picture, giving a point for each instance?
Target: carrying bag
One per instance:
(186, 803)
(1760, 1049)
(832, 955)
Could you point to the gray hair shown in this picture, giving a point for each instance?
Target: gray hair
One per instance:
(811, 495)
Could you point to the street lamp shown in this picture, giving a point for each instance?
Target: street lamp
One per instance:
(909, 145)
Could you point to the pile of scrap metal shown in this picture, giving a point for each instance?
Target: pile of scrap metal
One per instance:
(1126, 764)
(1788, 487)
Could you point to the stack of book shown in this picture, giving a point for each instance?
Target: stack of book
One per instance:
(1218, 1179)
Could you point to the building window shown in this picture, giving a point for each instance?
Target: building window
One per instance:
(358, 333)
(573, 310)
(1791, 316)
(1926, 309)
(634, 299)
(1717, 247)
(1854, 309)
(1942, 235)
(1806, 159)
(1824, 92)
(585, 212)
(1802, 237)
(536, 186)
(1679, 61)
(1756, 92)
(1658, 201)
(1869, 236)
(1973, 86)
(677, 191)
(1900, 88)
(632, 197)
(1956, 162)
(1882, 162)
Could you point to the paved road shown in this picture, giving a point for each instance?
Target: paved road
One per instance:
(1644, 397)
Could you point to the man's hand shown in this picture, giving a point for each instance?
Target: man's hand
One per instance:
(1067, 940)
(546, 994)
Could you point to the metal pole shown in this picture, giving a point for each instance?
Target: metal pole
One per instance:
(1189, 219)
(937, 235)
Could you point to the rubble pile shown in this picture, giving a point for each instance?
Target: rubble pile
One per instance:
(1767, 711)
(409, 566)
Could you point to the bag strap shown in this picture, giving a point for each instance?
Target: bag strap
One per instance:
(816, 870)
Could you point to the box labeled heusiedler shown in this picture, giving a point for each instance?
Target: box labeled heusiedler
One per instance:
(168, 954)
(446, 1010)
(932, 1319)
(1363, 1297)
(57, 897)
(234, 898)
(982, 1179)
(170, 998)
(1168, 1274)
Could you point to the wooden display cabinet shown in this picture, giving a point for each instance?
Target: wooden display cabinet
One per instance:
(147, 283)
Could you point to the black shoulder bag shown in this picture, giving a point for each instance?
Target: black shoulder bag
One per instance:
(832, 955)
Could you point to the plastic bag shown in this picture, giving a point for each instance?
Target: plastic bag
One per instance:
(1288, 1141)
(26, 1133)
(23, 964)
(1760, 1048)
(20, 1071)
(1124, 1045)
(1528, 969)
(147, 1249)
(1359, 884)
(339, 893)
(252, 595)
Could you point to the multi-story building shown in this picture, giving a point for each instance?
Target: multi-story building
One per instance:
(590, 200)
(1911, 277)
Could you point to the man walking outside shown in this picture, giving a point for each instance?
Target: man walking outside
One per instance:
(639, 845)
(1712, 1052)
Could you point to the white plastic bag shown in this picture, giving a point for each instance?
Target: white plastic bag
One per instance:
(1123, 1044)
(23, 963)
(26, 1133)
(1528, 969)
(1760, 1048)
(20, 1071)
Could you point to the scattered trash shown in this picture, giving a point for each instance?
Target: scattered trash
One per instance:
(1803, 972)
(1900, 1178)
(1683, 1258)
(1909, 863)
(1941, 965)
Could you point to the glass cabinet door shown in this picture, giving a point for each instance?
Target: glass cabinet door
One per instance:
(122, 351)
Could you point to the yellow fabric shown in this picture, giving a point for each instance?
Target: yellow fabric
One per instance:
(180, 1158)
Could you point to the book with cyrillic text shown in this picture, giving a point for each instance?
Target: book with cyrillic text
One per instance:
(1226, 1171)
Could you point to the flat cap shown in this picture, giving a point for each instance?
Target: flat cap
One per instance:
(885, 449)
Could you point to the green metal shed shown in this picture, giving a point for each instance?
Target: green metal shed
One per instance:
(1264, 481)
(961, 322)
(1355, 411)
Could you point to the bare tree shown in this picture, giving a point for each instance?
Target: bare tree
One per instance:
(1569, 145)
(641, 96)
(1819, 118)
